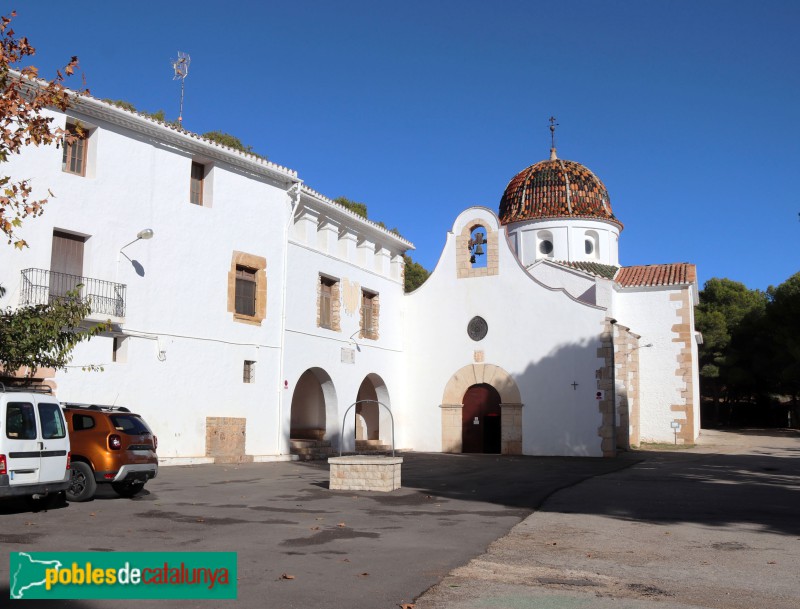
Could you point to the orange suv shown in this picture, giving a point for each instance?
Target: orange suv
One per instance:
(109, 445)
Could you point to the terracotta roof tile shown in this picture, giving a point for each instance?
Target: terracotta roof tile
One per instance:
(656, 275)
(593, 268)
(555, 188)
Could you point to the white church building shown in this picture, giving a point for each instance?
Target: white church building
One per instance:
(249, 312)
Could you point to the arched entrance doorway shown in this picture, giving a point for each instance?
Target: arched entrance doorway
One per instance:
(453, 405)
(480, 420)
(313, 397)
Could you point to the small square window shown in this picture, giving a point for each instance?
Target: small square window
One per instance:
(249, 372)
(245, 291)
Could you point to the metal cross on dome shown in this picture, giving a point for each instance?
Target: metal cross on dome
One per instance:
(553, 125)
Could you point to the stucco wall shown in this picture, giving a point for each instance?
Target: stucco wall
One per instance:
(654, 314)
(543, 338)
(176, 286)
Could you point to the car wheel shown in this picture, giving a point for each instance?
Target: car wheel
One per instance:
(83, 484)
(127, 489)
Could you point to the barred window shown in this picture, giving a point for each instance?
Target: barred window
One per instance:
(249, 372)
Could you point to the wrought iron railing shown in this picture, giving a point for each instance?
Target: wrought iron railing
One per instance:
(40, 286)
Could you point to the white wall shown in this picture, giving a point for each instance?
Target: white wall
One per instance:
(544, 338)
(179, 294)
(309, 346)
(568, 235)
(650, 313)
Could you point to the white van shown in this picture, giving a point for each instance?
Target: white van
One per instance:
(34, 443)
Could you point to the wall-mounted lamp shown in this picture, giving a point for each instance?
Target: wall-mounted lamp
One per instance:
(145, 233)
(351, 340)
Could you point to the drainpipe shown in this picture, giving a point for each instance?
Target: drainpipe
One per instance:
(613, 390)
(294, 201)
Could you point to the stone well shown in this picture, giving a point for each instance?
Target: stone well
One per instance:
(365, 473)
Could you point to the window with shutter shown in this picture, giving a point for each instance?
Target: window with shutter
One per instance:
(245, 291)
(73, 159)
(196, 184)
(326, 289)
(369, 325)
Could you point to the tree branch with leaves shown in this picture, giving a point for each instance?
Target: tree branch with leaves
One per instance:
(23, 122)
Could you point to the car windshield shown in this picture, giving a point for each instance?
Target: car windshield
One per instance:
(129, 424)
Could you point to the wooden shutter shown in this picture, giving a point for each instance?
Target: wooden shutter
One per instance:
(196, 184)
(325, 303)
(245, 291)
(366, 314)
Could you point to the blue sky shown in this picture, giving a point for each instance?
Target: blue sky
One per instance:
(688, 110)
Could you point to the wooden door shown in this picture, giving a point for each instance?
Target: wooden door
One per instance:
(66, 263)
(480, 420)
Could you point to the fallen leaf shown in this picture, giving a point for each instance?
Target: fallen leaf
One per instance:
(286, 576)
(771, 562)
(345, 560)
(315, 528)
(363, 574)
(407, 605)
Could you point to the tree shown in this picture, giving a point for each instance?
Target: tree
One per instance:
(724, 366)
(43, 336)
(783, 323)
(39, 336)
(22, 123)
(416, 274)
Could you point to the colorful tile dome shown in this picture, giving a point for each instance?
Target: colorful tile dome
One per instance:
(555, 188)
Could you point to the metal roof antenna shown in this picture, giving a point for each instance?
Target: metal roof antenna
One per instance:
(553, 125)
(181, 68)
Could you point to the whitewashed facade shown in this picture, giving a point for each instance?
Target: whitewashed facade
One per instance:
(260, 311)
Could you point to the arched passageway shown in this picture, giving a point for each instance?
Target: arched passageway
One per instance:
(372, 421)
(314, 397)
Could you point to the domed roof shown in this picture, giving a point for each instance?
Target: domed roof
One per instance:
(555, 188)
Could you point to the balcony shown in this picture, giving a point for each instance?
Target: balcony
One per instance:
(106, 298)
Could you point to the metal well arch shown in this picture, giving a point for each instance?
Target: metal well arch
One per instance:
(353, 405)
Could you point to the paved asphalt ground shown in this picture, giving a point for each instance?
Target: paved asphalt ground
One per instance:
(717, 527)
(356, 550)
(713, 527)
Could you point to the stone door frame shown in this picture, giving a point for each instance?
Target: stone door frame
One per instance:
(510, 406)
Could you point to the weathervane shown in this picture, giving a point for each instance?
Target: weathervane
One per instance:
(553, 125)
(181, 68)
